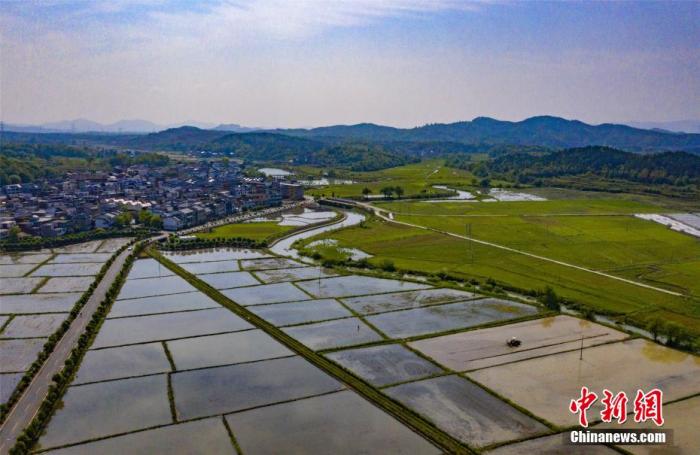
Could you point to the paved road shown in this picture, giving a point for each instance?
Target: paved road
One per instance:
(389, 216)
(28, 405)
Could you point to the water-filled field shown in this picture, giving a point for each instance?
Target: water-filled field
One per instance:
(229, 280)
(268, 293)
(334, 334)
(202, 365)
(486, 347)
(291, 313)
(450, 316)
(542, 384)
(385, 364)
(352, 285)
(466, 411)
(293, 274)
(39, 289)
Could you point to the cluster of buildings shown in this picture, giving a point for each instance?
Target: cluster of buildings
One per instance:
(176, 196)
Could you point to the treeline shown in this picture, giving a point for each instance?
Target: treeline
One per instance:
(668, 168)
(26, 163)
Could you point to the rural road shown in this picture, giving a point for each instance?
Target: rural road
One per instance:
(390, 218)
(24, 410)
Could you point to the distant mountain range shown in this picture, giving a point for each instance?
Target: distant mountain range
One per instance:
(482, 132)
(680, 126)
(547, 131)
(123, 126)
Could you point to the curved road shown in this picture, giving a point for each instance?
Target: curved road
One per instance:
(24, 410)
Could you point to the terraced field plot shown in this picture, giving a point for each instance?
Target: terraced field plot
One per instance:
(38, 291)
(230, 377)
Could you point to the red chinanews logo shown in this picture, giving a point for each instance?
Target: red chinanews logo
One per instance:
(647, 406)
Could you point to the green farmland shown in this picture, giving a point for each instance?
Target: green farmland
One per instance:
(598, 234)
(262, 230)
(415, 179)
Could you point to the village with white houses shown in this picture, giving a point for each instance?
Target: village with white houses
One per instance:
(170, 197)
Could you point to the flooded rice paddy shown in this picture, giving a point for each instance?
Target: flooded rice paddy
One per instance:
(149, 287)
(543, 385)
(104, 408)
(352, 285)
(293, 274)
(333, 334)
(157, 327)
(79, 269)
(211, 267)
(269, 264)
(223, 369)
(225, 349)
(405, 300)
(200, 436)
(229, 280)
(268, 293)
(67, 284)
(148, 268)
(123, 362)
(33, 325)
(450, 316)
(38, 290)
(15, 270)
(282, 314)
(466, 411)
(306, 426)
(487, 347)
(206, 392)
(161, 304)
(386, 364)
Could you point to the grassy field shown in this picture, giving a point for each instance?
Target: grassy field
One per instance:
(415, 179)
(256, 231)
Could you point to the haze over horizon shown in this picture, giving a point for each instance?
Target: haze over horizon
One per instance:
(394, 62)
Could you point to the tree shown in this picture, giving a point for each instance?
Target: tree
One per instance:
(485, 182)
(145, 217)
(399, 191)
(156, 221)
(550, 299)
(13, 233)
(387, 191)
(123, 219)
(366, 191)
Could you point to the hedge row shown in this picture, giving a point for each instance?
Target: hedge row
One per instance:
(36, 243)
(61, 380)
(54, 339)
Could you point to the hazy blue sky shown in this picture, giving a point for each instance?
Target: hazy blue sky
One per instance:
(318, 62)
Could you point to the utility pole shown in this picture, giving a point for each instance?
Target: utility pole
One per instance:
(580, 355)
